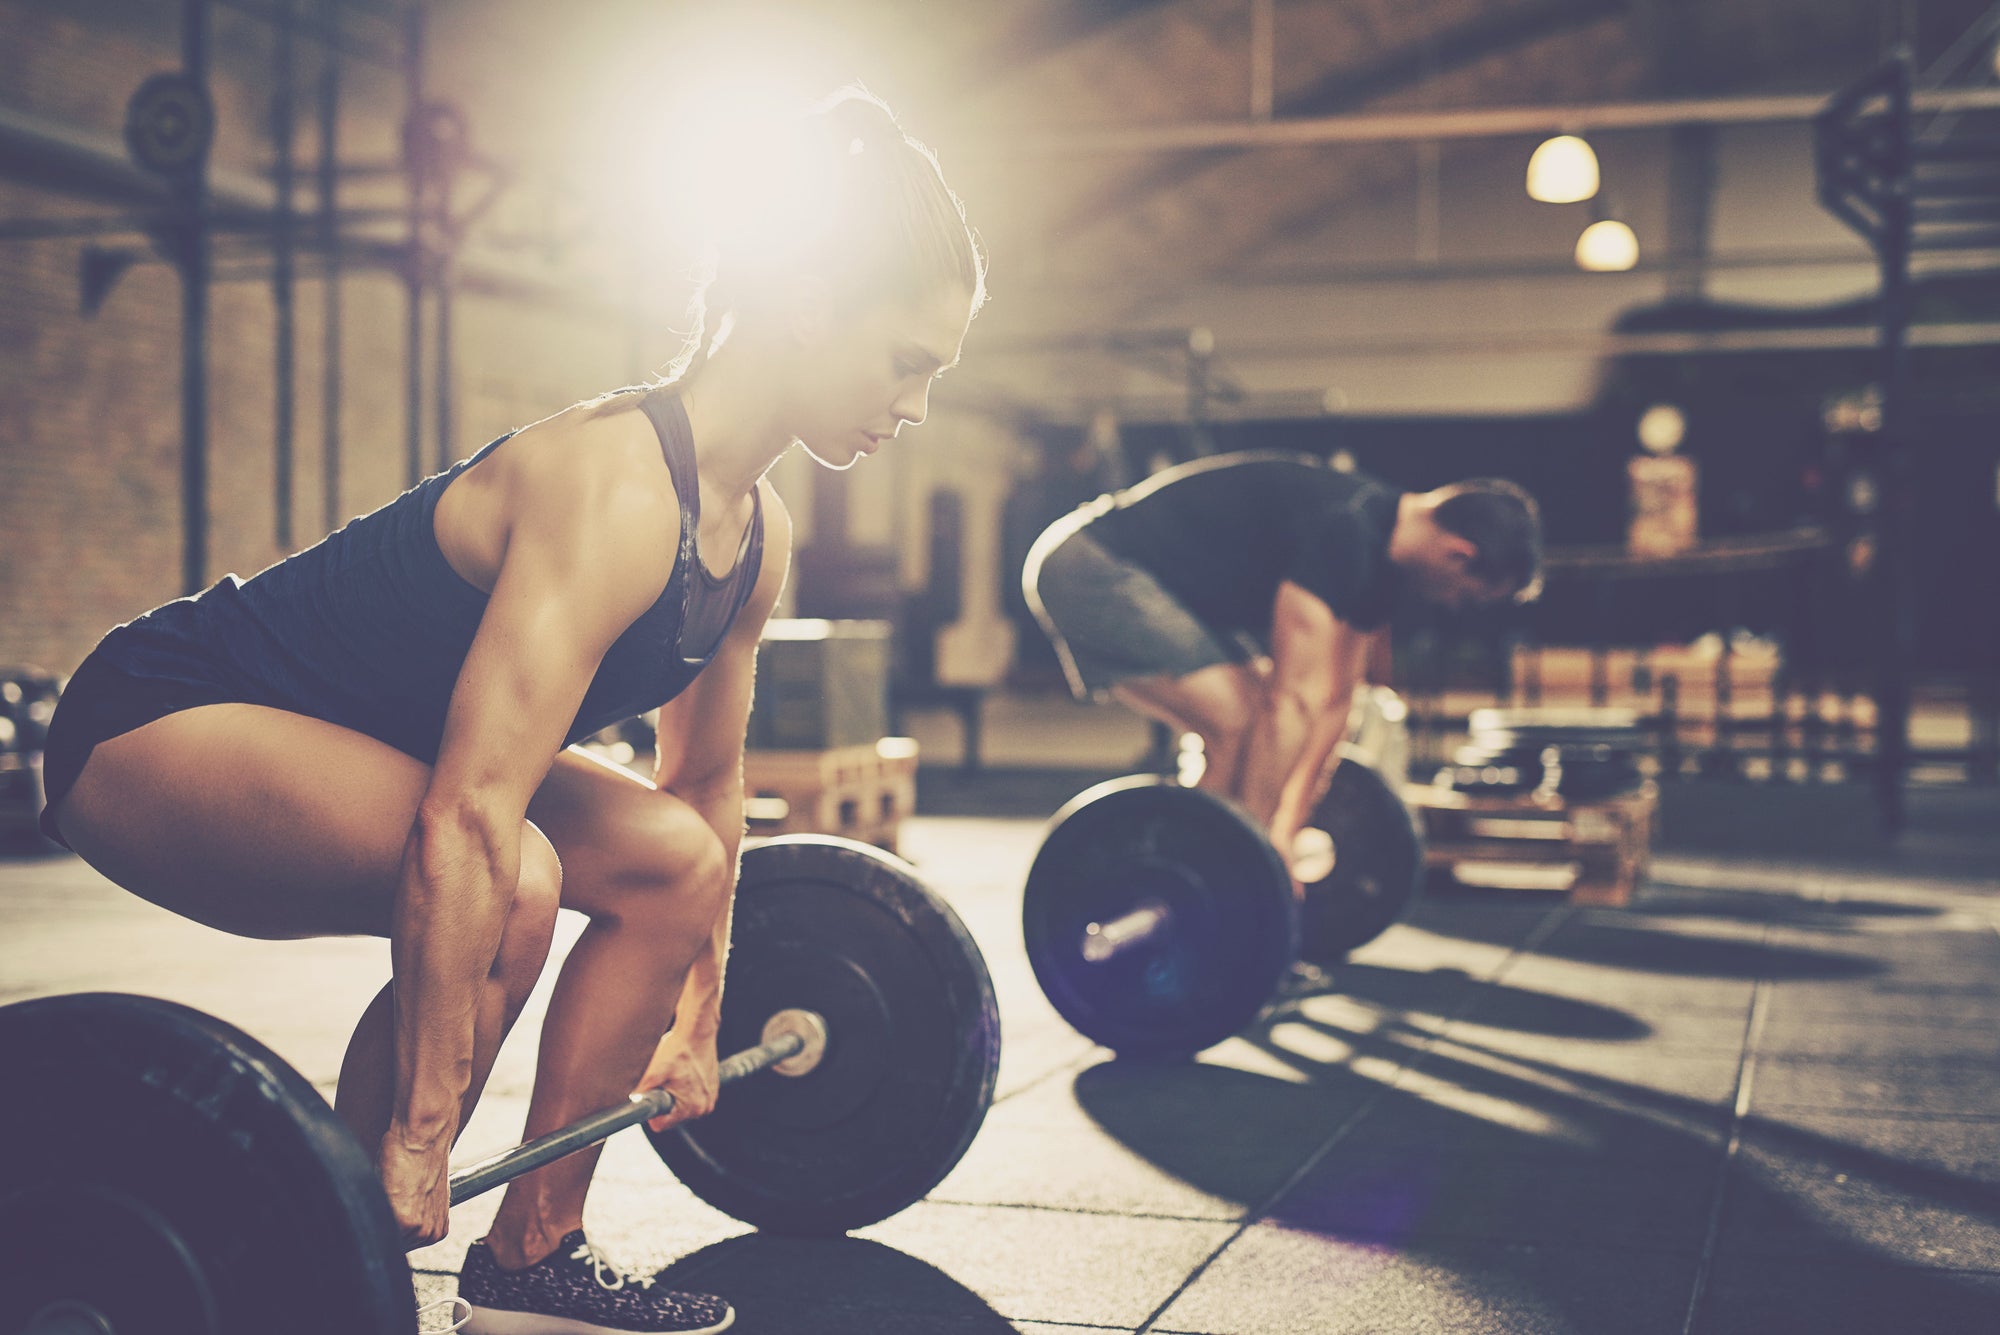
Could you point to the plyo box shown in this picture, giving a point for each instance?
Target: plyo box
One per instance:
(821, 685)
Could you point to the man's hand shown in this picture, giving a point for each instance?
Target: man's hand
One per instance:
(685, 1066)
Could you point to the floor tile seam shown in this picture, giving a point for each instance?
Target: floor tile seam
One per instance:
(1513, 1241)
(1603, 1048)
(1719, 1192)
(1914, 1064)
(1759, 1260)
(1607, 1092)
(1761, 1111)
(1539, 933)
(1086, 1211)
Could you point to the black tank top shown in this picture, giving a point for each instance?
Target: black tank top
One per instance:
(369, 627)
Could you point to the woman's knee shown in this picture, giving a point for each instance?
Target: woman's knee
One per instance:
(673, 866)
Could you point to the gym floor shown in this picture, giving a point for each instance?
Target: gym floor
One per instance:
(1760, 1098)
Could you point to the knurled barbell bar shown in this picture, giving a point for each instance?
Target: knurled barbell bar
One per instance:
(1159, 919)
(161, 1171)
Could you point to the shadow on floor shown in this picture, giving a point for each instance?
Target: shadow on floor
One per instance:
(1448, 990)
(1777, 910)
(1504, 1184)
(833, 1286)
(1626, 942)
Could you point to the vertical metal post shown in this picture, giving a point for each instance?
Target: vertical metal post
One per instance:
(1898, 640)
(1263, 23)
(1430, 202)
(282, 286)
(443, 371)
(191, 200)
(417, 259)
(329, 239)
(1690, 208)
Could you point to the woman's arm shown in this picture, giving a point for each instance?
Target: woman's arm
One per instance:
(700, 755)
(582, 555)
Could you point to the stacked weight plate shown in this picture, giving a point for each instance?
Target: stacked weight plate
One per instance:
(1583, 755)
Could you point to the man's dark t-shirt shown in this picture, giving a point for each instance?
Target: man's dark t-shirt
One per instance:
(1221, 533)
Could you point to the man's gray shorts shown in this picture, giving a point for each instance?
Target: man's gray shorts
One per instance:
(1110, 620)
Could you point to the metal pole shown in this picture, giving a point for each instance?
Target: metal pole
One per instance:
(510, 1164)
(281, 279)
(443, 371)
(417, 259)
(1263, 23)
(191, 195)
(1892, 687)
(329, 236)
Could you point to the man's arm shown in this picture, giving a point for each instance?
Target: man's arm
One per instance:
(1316, 660)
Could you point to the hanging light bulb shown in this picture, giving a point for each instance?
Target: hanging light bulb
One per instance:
(1607, 247)
(1562, 171)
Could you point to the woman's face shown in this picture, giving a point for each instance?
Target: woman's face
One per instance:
(862, 378)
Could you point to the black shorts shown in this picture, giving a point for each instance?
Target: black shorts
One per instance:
(1110, 620)
(128, 680)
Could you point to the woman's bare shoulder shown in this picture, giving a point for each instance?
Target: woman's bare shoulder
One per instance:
(589, 457)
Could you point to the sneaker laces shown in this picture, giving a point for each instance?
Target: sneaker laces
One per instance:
(601, 1267)
(448, 1303)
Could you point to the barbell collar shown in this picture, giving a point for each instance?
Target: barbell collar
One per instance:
(1106, 940)
(793, 1041)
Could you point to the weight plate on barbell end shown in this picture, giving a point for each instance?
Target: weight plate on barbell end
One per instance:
(851, 934)
(1234, 928)
(170, 1174)
(1378, 863)
(169, 124)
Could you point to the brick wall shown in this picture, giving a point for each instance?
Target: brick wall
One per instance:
(90, 509)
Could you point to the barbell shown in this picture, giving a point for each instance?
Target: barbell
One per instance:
(1160, 920)
(161, 1171)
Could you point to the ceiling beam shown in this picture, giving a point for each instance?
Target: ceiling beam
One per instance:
(1458, 123)
(1486, 34)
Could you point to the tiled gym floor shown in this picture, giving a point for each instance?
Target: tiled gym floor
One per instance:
(1760, 1099)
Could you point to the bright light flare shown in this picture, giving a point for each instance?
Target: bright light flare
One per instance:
(1562, 171)
(1607, 247)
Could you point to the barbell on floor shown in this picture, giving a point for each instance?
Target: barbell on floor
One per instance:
(1159, 919)
(161, 1171)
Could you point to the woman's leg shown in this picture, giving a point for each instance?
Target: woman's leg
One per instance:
(651, 876)
(275, 825)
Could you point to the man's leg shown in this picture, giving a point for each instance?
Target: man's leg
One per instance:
(1215, 703)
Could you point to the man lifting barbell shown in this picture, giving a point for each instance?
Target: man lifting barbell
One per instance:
(1231, 597)
(370, 737)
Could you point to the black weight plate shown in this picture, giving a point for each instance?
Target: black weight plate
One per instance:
(913, 1043)
(169, 124)
(171, 1174)
(1234, 931)
(1378, 864)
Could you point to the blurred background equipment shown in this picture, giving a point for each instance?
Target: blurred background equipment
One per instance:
(303, 252)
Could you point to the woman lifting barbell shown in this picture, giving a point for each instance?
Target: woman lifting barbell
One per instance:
(374, 735)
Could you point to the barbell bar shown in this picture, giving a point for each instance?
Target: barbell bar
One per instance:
(794, 1042)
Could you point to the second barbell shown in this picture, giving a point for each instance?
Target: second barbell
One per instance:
(1159, 919)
